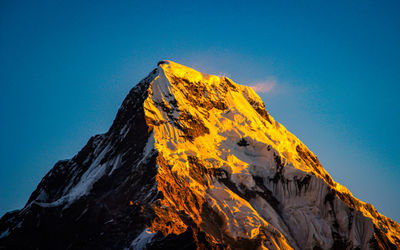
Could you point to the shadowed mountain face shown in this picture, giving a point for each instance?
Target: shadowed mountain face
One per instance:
(194, 161)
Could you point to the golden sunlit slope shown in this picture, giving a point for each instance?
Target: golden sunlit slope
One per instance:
(230, 172)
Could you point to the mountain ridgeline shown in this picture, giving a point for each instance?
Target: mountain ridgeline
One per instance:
(194, 161)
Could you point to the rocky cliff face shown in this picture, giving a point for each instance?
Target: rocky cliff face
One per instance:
(194, 161)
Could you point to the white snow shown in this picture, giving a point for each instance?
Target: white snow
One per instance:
(148, 149)
(116, 164)
(92, 174)
(109, 221)
(142, 240)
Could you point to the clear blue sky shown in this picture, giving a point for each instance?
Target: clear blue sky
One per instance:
(66, 66)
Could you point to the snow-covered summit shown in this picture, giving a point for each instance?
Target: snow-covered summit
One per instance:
(194, 160)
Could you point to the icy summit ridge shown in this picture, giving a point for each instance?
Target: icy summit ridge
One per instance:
(194, 160)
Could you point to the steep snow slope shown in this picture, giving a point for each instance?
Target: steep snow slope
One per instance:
(195, 160)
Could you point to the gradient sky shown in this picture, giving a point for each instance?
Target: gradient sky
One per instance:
(332, 71)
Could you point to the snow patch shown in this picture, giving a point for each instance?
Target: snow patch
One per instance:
(109, 221)
(147, 150)
(116, 164)
(85, 184)
(142, 240)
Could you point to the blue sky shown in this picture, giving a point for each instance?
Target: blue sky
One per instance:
(66, 66)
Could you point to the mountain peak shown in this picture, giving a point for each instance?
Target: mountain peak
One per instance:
(173, 69)
(195, 160)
